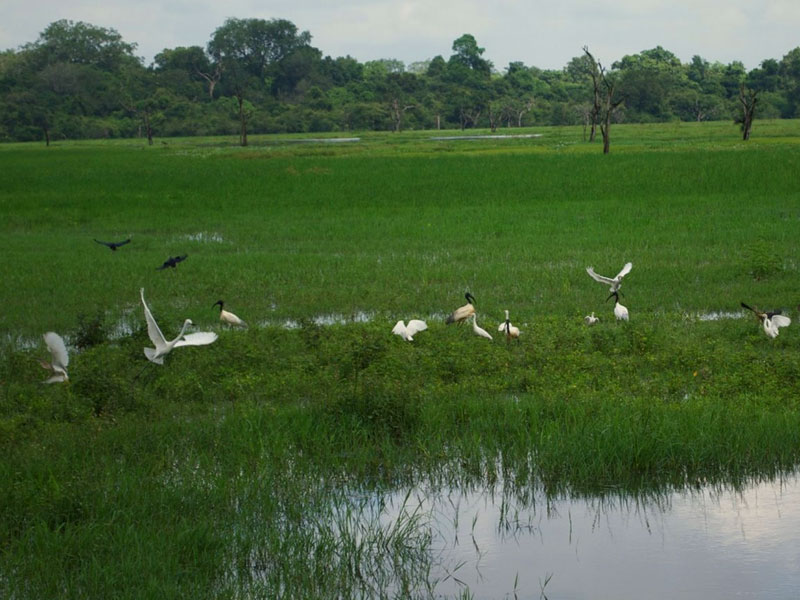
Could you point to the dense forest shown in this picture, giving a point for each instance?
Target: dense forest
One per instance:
(264, 76)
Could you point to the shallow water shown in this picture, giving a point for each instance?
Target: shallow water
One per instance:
(709, 543)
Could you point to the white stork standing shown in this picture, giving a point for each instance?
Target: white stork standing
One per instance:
(620, 311)
(462, 313)
(510, 330)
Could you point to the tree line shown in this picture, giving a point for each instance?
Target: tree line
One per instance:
(264, 76)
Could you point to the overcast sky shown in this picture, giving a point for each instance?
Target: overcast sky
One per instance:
(541, 33)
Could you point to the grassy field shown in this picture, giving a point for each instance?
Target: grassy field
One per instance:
(246, 467)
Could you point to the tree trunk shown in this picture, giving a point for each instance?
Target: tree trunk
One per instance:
(242, 120)
(748, 101)
(148, 128)
(46, 136)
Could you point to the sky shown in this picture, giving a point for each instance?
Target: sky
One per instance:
(544, 34)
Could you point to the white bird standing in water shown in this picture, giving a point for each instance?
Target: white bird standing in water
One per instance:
(591, 319)
(771, 321)
(228, 317)
(59, 358)
(478, 330)
(462, 313)
(407, 331)
(510, 330)
(615, 282)
(162, 346)
(619, 311)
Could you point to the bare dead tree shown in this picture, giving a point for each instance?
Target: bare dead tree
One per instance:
(495, 113)
(595, 74)
(609, 99)
(398, 111)
(212, 78)
(748, 99)
(468, 116)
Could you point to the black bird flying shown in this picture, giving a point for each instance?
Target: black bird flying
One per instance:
(172, 261)
(114, 245)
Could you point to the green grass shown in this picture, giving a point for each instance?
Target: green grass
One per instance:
(253, 466)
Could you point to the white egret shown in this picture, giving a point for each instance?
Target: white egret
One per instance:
(227, 316)
(162, 346)
(615, 282)
(619, 311)
(510, 330)
(591, 319)
(407, 331)
(771, 321)
(462, 313)
(59, 358)
(478, 330)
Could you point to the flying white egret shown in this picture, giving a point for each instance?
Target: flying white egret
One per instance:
(510, 330)
(591, 319)
(462, 313)
(616, 282)
(407, 331)
(478, 330)
(771, 321)
(162, 346)
(619, 311)
(59, 358)
(228, 317)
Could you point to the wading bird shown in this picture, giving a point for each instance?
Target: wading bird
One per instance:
(478, 330)
(510, 330)
(114, 245)
(407, 331)
(619, 311)
(59, 358)
(616, 282)
(172, 261)
(771, 321)
(462, 313)
(162, 346)
(591, 319)
(228, 317)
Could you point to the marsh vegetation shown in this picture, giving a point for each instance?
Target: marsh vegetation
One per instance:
(252, 466)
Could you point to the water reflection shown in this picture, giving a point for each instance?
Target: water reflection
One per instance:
(708, 543)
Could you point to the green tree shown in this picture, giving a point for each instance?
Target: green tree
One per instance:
(248, 51)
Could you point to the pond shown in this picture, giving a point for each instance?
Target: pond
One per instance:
(709, 543)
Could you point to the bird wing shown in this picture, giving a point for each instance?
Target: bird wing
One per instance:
(201, 338)
(180, 258)
(781, 320)
(625, 270)
(502, 326)
(415, 326)
(57, 348)
(399, 329)
(597, 277)
(104, 243)
(124, 242)
(153, 330)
